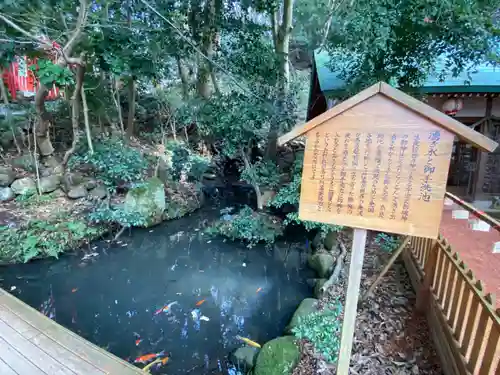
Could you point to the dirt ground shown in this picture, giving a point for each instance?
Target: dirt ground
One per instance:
(391, 338)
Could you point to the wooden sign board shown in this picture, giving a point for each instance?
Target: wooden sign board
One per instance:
(378, 165)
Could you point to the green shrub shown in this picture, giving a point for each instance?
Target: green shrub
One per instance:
(107, 215)
(40, 238)
(322, 329)
(263, 173)
(386, 242)
(290, 194)
(184, 161)
(249, 226)
(115, 162)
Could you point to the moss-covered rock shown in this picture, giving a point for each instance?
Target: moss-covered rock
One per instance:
(147, 200)
(306, 307)
(278, 356)
(24, 186)
(322, 263)
(244, 358)
(331, 240)
(182, 199)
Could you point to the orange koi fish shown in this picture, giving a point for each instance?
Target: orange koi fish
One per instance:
(258, 290)
(137, 342)
(149, 357)
(199, 303)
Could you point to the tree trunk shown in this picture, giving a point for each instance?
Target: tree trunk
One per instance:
(183, 75)
(115, 90)
(5, 98)
(131, 108)
(75, 114)
(86, 120)
(282, 49)
(255, 185)
(214, 80)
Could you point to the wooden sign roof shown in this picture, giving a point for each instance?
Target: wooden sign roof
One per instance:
(462, 131)
(379, 161)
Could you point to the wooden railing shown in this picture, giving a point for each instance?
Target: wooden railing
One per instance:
(463, 322)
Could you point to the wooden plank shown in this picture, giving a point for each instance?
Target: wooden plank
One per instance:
(463, 312)
(379, 177)
(450, 290)
(5, 369)
(430, 270)
(480, 335)
(75, 363)
(461, 130)
(491, 354)
(351, 304)
(21, 327)
(17, 361)
(471, 321)
(456, 302)
(445, 279)
(71, 341)
(31, 352)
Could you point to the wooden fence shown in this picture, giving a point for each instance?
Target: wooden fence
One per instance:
(463, 322)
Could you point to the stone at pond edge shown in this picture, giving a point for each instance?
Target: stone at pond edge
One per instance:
(24, 186)
(77, 192)
(71, 179)
(317, 242)
(331, 240)
(26, 162)
(50, 183)
(244, 358)
(6, 194)
(317, 287)
(278, 356)
(306, 307)
(7, 175)
(322, 263)
(100, 192)
(147, 200)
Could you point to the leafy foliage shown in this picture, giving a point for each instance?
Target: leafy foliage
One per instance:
(264, 173)
(118, 215)
(41, 238)
(290, 194)
(386, 242)
(49, 73)
(115, 161)
(247, 225)
(186, 162)
(322, 329)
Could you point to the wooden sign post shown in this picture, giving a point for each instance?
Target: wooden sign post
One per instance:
(378, 161)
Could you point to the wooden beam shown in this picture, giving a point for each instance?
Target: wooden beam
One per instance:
(351, 305)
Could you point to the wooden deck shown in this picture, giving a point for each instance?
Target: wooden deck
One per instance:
(32, 344)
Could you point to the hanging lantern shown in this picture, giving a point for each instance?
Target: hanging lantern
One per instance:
(452, 106)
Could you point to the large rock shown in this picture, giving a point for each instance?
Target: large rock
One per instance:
(278, 356)
(317, 242)
(244, 358)
(26, 162)
(49, 184)
(6, 194)
(331, 240)
(306, 307)
(100, 192)
(147, 200)
(71, 180)
(24, 186)
(7, 175)
(322, 263)
(77, 192)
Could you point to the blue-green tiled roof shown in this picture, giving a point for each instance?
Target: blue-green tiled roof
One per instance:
(482, 78)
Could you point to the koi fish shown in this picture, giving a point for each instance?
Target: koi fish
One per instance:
(74, 290)
(258, 290)
(149, 357)
(199, 303)
(137, 342)
(165, 308)
(249, 342)
(158, 362)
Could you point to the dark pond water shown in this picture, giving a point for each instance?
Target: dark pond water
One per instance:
(216, 290)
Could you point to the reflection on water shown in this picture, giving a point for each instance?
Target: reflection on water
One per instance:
(168, 289)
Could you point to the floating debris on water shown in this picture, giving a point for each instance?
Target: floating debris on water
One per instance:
(12, 288)
(205, 318)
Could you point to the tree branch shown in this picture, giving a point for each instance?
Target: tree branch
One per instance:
(22, 31)
(80, 24)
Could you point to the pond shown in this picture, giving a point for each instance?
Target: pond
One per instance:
(212, 290)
